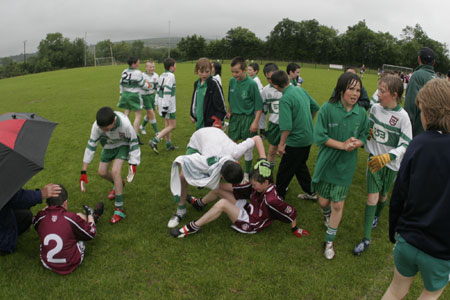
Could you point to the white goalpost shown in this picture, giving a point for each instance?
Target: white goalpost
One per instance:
(401, 69)
(105, 61)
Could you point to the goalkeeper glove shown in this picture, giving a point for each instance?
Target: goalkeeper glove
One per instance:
(263, 166)
(89, 211)
(131, 173)
(379, 161)
(83, 181)
(299, 232)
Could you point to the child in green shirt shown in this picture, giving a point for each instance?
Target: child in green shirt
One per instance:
(341, 128)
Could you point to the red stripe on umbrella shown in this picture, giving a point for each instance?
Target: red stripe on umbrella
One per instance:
(9, 131)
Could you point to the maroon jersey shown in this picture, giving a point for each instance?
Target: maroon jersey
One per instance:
(60, 232)
(262, 209)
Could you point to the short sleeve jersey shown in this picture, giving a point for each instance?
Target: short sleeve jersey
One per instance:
(295, 116)
(271, 101)
(244, 96)
(334, 121)
(59, 232)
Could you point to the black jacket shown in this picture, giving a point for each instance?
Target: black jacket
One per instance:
(213, 104)
(420, 201)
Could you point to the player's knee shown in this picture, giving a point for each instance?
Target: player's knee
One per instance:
(102, 173)
(116, 172)
(221, 204)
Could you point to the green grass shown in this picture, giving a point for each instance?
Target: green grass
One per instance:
(137, 258)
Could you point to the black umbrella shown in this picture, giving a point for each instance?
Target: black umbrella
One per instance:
(24, 139)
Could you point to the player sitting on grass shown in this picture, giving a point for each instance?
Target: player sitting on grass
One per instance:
(264, 207)
(391, 134)
(208, 150)
(62, 233)
(114, 131)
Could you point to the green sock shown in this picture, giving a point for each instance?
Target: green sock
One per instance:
(380, 206)
(248, 166)
(326, 211)
(154, 125)
(144, 123)
(155, 139)
(181, 210)
(330, 234)
(118, 201)
(368, 220)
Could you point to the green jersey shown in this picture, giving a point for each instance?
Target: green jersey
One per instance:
(336, 166)
(421, 75)
(244, 96)
(295, 116)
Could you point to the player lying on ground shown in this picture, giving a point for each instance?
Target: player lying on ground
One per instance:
(208, 150)
(249, 217)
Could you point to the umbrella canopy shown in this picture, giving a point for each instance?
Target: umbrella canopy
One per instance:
(24, 139)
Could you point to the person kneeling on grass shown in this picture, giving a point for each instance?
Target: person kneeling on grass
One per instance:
(62, 233)
(264, 207)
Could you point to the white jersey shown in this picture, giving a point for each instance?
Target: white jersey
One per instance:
(258, 82)
(392, 133)
(271, 101)
(212, 141)
(131, 81)
(122, 134)
(374, 99)
(165, 94)
(153, 80)
(217, 77)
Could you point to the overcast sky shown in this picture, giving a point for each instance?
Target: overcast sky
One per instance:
(31, 20)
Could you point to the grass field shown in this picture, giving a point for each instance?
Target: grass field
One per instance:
(137, 258)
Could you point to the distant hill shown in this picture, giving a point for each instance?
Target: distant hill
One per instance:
(151, 42)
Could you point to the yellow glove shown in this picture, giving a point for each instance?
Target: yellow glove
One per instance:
(379, 161)
(370, 134)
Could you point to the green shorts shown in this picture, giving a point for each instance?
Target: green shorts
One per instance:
(130, 101)
(239, 127)
(409, 260)
(381, 181)
(169, 116)
(148, 101)
(116, 153)
(332, 192)
(273, 134)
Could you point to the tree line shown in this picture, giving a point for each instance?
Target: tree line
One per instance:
(304, 41)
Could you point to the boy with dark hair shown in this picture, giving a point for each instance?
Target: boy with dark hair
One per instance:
(363, 100)
(62, 233)
(418, 216)
(245, 107)
(271, 101)
(293, 71)
(265, 206)
(391, 135)
(118, 138)
(131, 84)
(208, 150)
(297, 109)
(165, 99)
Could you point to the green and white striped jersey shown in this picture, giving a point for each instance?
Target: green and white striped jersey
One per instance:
(392, 133)
(131, 81)
(271, 101)
(153, 80)
(165, 93)
(122, 134)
